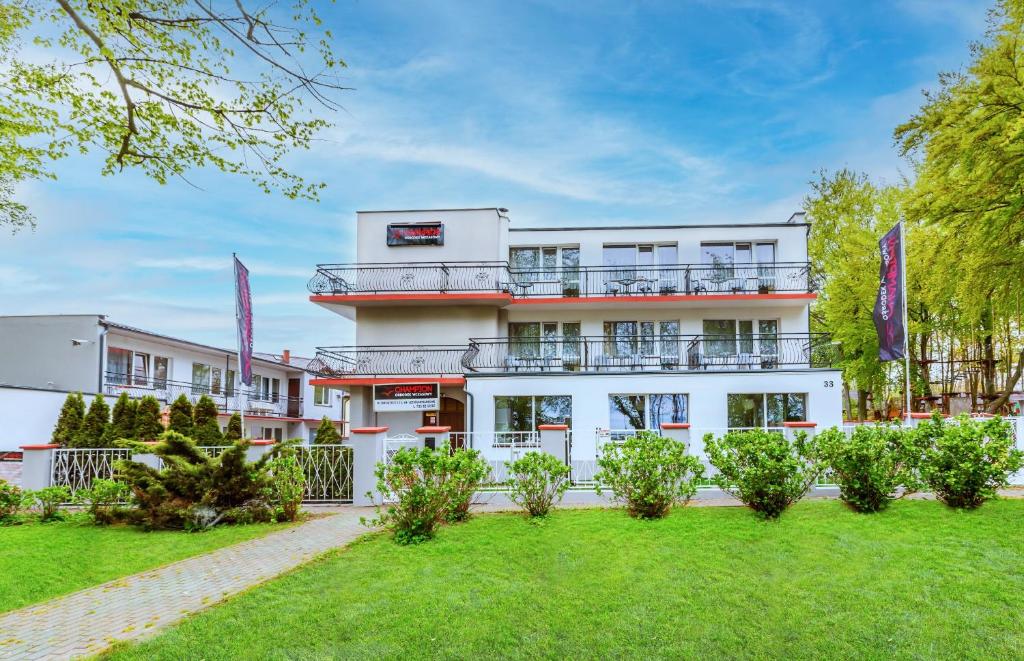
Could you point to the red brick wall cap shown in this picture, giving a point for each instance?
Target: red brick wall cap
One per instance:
(798, 424)
(369, 430)
(675, 425)
(434, 429)
(552, 427)
(44, 446)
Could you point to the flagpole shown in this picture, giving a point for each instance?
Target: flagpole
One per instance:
(244, 395)
(906, 317)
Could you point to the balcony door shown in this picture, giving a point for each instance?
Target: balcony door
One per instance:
(741, 343)
(546, 270)
(550, 340)
(644, 268)
(729, 266)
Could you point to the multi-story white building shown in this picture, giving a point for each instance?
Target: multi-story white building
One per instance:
(44, 357)
(607, 329)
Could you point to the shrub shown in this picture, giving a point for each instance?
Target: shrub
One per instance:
(326, 433)
(538, 481)
(467, 471)
(205, 430)
(47, 501)
(194, 490)
(147, 420)
(419, 492)
(870, 464)
(287, 483)
(649, 473)
(102, 499)
(967, 462)
(94, 426)
(181, 416)
(69, 421)
(11, 500)
(122, 421)
(234, 430)
(763, 469)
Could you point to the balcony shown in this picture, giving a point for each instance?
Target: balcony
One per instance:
(496, 283)
(366, 365)
(248, 401)
(672, 353)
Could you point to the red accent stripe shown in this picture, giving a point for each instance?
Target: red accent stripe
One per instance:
(679, 298)
(359, 298)
(369, 381)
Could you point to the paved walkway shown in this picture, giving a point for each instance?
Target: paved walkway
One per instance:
(136, 607)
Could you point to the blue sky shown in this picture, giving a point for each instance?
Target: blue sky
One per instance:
(563, 112)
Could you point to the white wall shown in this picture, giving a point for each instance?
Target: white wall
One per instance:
(447, 324)
(27, 415)
(469, 235)
(38, 351)
(791, 319)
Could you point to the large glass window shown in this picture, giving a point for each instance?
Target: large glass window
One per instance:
(161, 371)
(546, 263)
(526, 412)
(140, 369)
(215, 380)
(524, 339)
(719, 337)
(728, 337)
(667, 408)
(229, 383)
(119, 366)
(321, 396)
(766, 410)
(642, 411)
(200, 379)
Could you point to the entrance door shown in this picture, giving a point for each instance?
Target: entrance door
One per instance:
(294, 395)
(452, 414)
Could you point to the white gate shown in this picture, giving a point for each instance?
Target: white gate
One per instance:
(392, 444)
(76, 468)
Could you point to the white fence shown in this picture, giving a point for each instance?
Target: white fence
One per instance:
(76, 468)
(328, 471)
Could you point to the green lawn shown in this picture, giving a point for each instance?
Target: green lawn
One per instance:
(39, 561)
(918, 581)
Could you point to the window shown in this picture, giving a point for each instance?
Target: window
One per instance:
(535, 339)
(553, 264)
(737, 337)
(766, 410)
(229, 383)
(646, 411)
(140, 369)
(118, 362)
(321, 396)
(161, 372)
(646, 338)
(257, 387)
(200, 379)
(725, 254)
(271, 434)
(215, 380)
(126, 367)
(526, 412)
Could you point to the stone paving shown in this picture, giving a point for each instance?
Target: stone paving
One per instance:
(136, 607)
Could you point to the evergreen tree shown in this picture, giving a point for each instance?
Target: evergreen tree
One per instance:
(181, 416)
(69, 420)
(147, 420)
(205, 430)
(122, 420)
(234, 432)
(326, 433)
(93, 431)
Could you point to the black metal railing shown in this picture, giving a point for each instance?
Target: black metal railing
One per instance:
(655, 353)
(387, 361)
(567, 282)
(227, 399)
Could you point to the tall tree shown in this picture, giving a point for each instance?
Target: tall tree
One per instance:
(147, 420)
(181, 416)
(234, 430)
(205, 430)
(69, 421)
(93, 431)
(162, 86)
(122, 420)
(326, 433)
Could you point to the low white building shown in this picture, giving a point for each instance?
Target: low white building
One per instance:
(466, 322)
(44, 357)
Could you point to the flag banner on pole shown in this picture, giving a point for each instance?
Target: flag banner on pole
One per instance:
(889, 321)
(243, 313)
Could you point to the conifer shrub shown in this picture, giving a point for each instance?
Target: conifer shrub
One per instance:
(326, 433)
(181, 416)
(122, 421)
(537, 481)
(147, 420)
(871, 464)
(69, 421)
(234, 430)
(649, 473)
(93, 432)
(763, 469)
(205, 429)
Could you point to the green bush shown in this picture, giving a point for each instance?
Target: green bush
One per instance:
(537, 481)
(47, 501)
(967, 462)
(234, 430)
(871, 463)
(763, 469)
(326, 433)
(205, 429)
(11, 500)
(181, 416)
(122, 421)
(148, 426)
(93, 431)
(649, 473)
(467, 471)
(103, 499)
(69, 421)
(419, 493)
(287, 483)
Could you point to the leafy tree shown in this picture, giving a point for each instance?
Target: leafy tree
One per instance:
(326, 433)
(69, 421)
(234, 431)
(205, 430)
(161, 86)
(93, 431)
(122, 420)
(181, 416)
(147, 420)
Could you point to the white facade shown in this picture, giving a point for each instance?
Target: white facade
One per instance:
(711, 319)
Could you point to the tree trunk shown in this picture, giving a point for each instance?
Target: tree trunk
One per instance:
(848, 399)
(1010, 385)
(862, 404)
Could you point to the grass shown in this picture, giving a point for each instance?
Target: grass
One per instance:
(39, 561)
(917, 581)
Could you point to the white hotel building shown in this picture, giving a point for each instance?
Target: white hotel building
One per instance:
(606, 329)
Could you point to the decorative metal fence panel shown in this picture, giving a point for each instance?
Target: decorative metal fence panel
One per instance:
(328, 471)
(76, 468)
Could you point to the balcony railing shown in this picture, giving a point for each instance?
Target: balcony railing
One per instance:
(574, 282)
(387, 361)
(666, 353)
(166, 390)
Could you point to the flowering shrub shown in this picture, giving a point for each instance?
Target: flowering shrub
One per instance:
(871, 463)
(763, 469)
(649, 473)
(538, 481)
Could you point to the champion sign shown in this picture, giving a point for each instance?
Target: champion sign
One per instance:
(406, 397)
(416, 234)
(889, 321)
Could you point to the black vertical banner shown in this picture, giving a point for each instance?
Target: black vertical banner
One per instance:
(889, 321)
